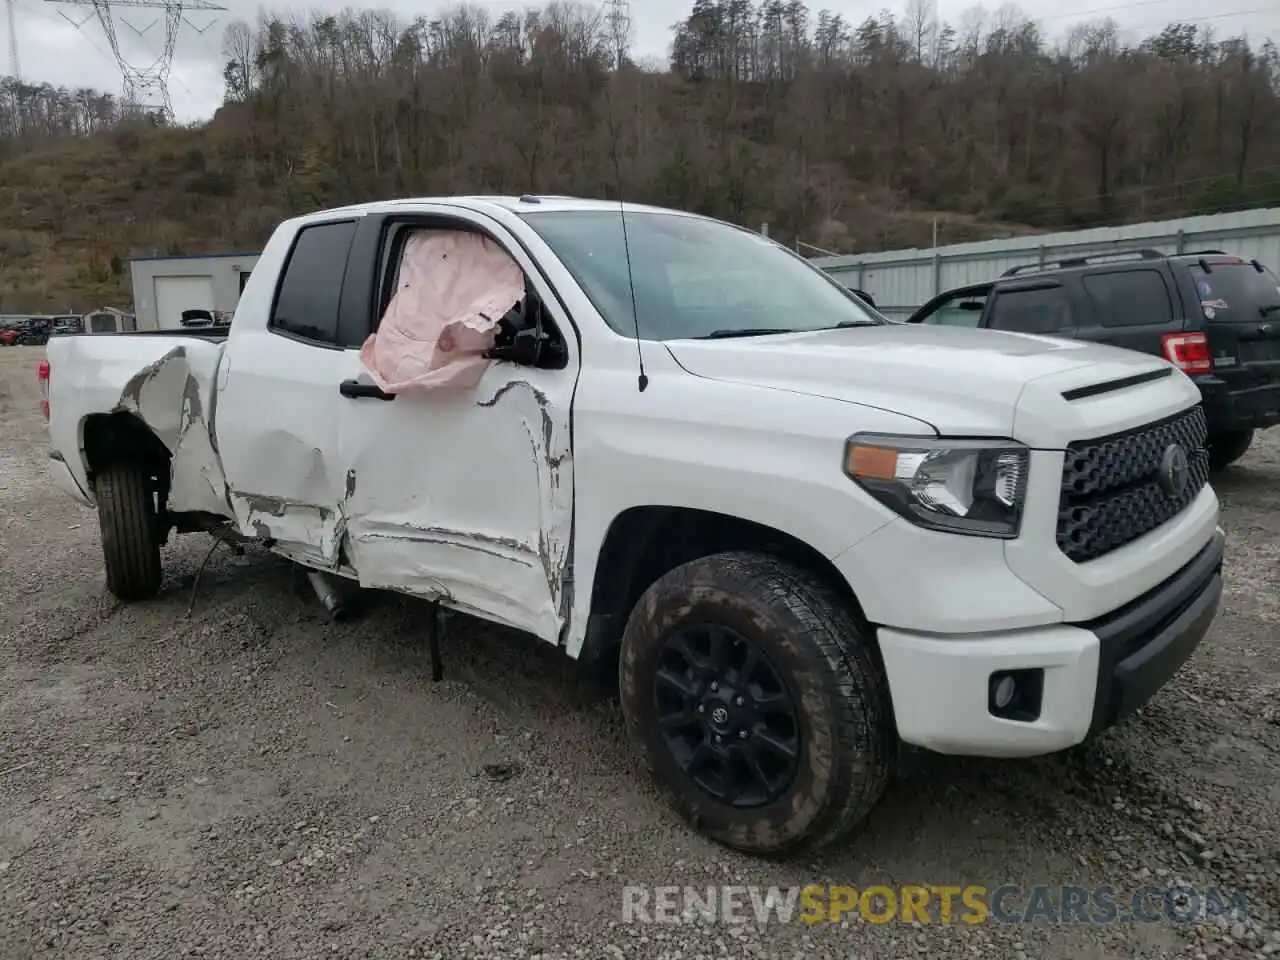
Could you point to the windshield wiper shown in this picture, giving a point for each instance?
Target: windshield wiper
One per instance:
(1267, 311)
(747, 332)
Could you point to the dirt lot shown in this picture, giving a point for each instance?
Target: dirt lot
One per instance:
(256, 782)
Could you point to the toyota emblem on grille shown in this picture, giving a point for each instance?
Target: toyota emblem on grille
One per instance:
(1174, 470)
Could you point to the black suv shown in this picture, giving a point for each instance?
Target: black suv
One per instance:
(1214, 315)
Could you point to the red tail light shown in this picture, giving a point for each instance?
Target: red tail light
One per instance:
(42, 374)
(1190, 351)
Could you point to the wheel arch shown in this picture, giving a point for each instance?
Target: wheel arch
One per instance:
(643, 543)
(107, 438)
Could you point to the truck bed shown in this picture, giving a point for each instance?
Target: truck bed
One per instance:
(215, 334)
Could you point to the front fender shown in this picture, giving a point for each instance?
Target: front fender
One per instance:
(771, 457)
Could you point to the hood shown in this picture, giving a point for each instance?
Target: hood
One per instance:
(960, 381)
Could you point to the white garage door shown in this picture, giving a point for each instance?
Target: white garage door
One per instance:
(175, 294)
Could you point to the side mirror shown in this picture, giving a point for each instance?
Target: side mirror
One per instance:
(524, 349)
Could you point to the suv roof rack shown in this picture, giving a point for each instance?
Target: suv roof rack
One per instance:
(1207, 253)
(1068, 262)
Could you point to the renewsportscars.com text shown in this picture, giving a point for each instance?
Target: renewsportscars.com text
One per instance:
(932, 904)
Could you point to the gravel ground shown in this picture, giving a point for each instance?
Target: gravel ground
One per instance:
(253, 781)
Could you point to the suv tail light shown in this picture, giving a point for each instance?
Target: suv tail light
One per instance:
(1189, 351)
(42, 374)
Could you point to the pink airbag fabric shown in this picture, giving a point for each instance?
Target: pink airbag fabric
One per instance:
(454, 287)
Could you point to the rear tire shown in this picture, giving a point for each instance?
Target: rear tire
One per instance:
(1228, 447)
(796, 671)
(127, 517)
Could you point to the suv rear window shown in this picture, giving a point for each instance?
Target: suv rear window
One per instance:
(1129, 298)
(1234, 292)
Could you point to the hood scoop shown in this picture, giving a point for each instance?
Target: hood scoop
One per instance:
(1110, 386)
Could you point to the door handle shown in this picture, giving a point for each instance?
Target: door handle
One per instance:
(355, 390)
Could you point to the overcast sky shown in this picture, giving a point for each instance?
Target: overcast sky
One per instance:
(53, 50)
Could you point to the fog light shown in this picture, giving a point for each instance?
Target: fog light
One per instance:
(1016, 694)
(1004, 692)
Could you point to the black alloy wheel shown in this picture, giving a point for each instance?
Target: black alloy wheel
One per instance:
(726, 715)
(756, 697)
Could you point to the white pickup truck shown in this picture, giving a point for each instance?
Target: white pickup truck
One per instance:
(807, 536)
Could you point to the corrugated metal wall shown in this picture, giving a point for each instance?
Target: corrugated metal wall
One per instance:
(902, 280)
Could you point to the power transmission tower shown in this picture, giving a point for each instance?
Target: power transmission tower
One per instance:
(618, 27)
(146, 88)
(15, 67)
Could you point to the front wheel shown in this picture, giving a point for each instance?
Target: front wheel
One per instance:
(1228, 447)
(758, 702)
(127, 517)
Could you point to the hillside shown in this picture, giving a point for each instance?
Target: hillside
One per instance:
(846, 136)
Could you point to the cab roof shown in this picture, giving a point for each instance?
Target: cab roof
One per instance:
(521, 205)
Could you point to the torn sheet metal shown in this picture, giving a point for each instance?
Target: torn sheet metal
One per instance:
(470, 570)
(453, 288)
(467, 498)
(308, 525)
(277, 429)
(171, 396)
(549, 452)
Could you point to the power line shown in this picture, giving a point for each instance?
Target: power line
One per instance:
(60, 18)
(54, 19)
(1081, 15)
(1100, 10)
(618, 21)
(145, 87)
(1151, 25)
(15, 65)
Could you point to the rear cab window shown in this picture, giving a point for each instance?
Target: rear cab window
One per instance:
(1234, 291)
(307, 300)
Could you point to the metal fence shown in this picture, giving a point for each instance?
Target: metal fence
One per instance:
(902, 280)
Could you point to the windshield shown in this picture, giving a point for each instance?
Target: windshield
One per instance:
(694, 277)
(1234, 292)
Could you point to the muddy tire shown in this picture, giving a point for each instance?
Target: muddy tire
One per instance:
(1226, 448)
(752, 650)
(126, 515)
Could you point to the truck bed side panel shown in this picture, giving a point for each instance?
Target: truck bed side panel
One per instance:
(166, 382)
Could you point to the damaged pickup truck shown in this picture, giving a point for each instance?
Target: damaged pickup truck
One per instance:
(805, 535)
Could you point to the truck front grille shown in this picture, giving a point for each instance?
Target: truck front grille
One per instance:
(1115, 489)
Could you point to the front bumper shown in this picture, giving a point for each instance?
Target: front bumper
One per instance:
(1089, 675)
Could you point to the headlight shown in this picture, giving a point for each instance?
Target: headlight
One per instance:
(961, 486)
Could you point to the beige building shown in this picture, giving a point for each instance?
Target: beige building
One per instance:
(165, 287)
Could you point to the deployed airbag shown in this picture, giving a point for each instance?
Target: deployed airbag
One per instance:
(453, 288)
